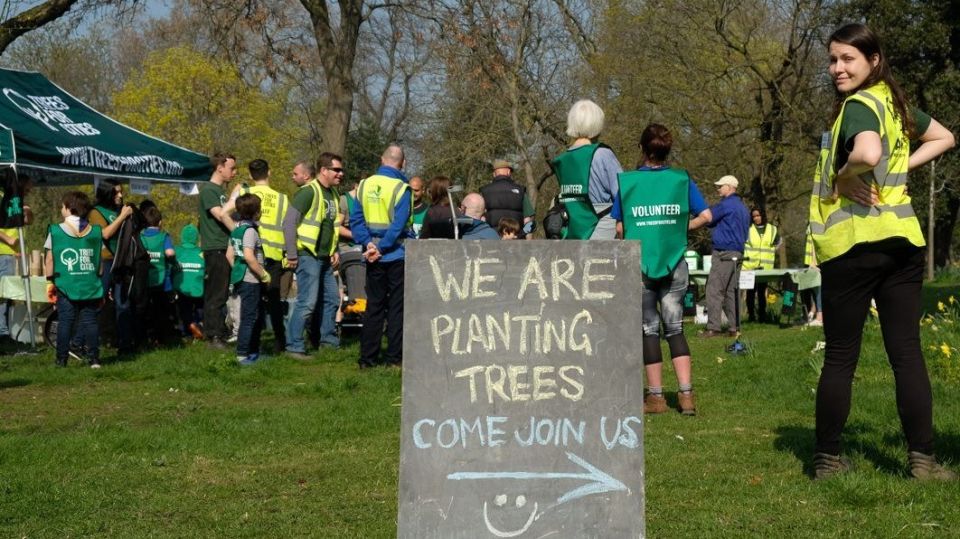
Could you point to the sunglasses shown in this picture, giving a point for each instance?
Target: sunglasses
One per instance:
(335, 169)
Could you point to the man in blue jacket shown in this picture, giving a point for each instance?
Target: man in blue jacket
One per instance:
(381, 222)
(730, 221)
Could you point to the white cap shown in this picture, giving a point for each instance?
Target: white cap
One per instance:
(728, 180)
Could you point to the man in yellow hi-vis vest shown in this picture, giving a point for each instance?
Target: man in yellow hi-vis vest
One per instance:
(381, 222)
(310, 231)
(759, 253)
(273, 208)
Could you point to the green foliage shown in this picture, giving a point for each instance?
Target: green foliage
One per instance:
(920, 38)
(365, 144)
(201, 103)
(941, 336)
(736, 83)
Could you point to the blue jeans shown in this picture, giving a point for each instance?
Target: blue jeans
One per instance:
(314, 280)
(84, 314)
(251, 317)
(8, 266)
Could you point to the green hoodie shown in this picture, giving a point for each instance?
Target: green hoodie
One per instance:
(188, 274)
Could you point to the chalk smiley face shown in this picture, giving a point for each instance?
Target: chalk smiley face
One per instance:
(500, 501)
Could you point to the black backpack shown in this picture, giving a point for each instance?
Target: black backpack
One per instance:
(555, 221)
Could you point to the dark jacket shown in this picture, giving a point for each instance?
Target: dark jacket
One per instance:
(131, 263)
(503, 197)
(438, 223)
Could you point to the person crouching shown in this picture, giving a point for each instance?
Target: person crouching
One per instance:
(248, 277)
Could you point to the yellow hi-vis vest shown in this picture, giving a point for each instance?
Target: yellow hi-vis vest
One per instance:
(273, 208)
(809, 254)
(6, 249)
(308, 233)
(837, 223)
(759, 252)
(378, 196)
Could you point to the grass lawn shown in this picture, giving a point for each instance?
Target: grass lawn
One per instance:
(183, 443)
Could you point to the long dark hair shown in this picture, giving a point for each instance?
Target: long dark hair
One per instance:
(439, 186)
(864, 40)
(106, 194)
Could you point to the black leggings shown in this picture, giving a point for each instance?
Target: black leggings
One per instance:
(892, 274)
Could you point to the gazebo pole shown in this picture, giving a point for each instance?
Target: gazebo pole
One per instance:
(25, 274)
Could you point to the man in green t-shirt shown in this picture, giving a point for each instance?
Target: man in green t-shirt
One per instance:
(310, 231)
(215, 226)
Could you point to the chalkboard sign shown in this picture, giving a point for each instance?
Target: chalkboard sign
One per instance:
(522, 390)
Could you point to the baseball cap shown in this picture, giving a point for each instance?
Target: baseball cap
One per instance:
(728, 180)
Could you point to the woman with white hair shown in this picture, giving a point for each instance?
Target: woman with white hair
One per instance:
(587, 173)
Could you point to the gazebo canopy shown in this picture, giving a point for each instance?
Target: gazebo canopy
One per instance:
(58, 139)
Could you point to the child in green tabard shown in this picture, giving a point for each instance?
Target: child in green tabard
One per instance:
(73, 264)
(187, 277)
(158, 244)
(248, 277)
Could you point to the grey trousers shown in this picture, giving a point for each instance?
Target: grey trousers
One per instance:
(724, 275)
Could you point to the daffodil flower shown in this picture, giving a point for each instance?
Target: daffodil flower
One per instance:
(945, 350)
(941, 307)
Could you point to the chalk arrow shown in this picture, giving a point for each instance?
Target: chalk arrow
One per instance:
(598, 481)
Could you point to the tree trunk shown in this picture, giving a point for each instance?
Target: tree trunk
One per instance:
(338, 50)
(31, 19)
(337, 122)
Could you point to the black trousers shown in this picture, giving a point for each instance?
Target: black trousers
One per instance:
(760, 310)
(384, 304)
(188, 308)
(216, 289)
(892, 274)
(156, 315)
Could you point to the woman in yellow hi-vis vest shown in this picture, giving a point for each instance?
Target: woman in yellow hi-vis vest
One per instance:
(759, 253)
(869, 245)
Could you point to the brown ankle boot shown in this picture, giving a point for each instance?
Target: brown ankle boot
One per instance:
(687, 402)
(654, 404)
(826, 465)
(926, 468)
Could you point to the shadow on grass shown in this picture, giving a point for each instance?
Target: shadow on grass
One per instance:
(14, 382)
(796, 439)
(857, 438)
(947, 447)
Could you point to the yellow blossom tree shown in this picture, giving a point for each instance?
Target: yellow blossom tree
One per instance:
(203, 104)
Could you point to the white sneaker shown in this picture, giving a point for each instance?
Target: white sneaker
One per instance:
(815, 323)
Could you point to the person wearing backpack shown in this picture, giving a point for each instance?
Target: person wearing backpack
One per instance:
(115, 316)
(587, 172)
